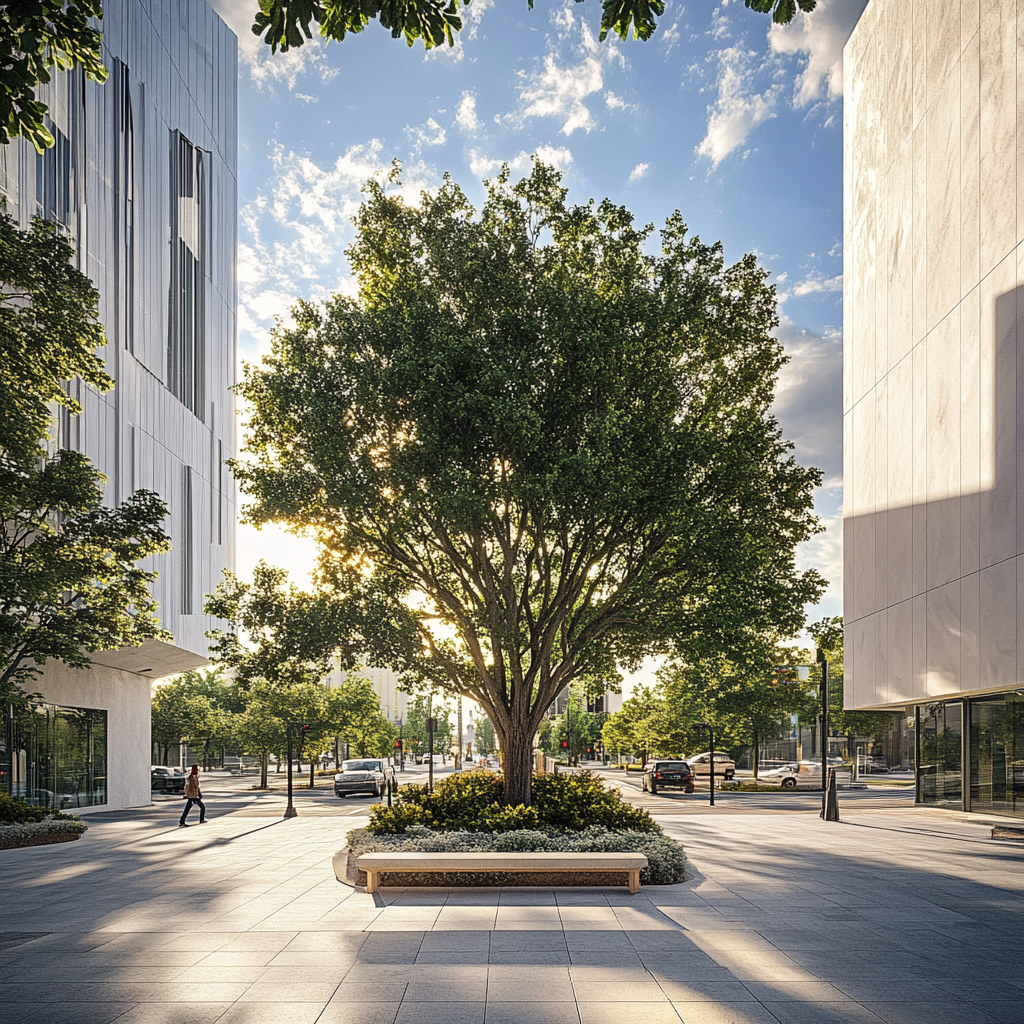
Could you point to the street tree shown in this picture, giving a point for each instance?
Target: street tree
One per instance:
(70, 582)
(189, 709)
(286, 23)
(745, 700)
(354, 712)
(533, 447)
(36, 37)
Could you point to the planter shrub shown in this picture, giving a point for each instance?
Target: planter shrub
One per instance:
(472, 802)
(38, 833)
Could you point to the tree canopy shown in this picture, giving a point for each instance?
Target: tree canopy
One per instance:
(286, 23)
(538, 447)
(70, 581)
(36, 36)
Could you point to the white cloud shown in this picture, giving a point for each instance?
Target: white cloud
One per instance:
(428, 134)
(824, 552)
(466, 116)
(819, 284)
(821, 35)
(557, 156)
(267, 69)
(809, 398)
(559, 91)
(738, 109)
(639, 171)
(294, 233)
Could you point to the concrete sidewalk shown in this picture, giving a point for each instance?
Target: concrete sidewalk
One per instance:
(903, 918)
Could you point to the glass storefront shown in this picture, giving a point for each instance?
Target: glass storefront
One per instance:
(940, 754)
(997, 754)
(56, 756)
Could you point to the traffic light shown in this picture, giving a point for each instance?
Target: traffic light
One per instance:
(565, 743)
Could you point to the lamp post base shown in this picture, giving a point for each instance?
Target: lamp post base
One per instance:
(290, 812)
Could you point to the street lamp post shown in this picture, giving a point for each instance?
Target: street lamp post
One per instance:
(829, 798)
(700, 729)
(289, 811)
(431, 728)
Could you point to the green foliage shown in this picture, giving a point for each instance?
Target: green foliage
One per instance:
(353, 711)
(782, 11)
(69, 577)
(284, 23)
(16, 811)
(483, 738)
(35, 36)
(550, 449)
(194, 707)
(475, 801)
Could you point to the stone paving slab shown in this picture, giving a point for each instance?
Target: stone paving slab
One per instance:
(898, 918)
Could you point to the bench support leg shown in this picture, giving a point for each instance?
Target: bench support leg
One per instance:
(371, 881)
(634, 880)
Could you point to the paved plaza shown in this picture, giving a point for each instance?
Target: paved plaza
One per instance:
(907, 917)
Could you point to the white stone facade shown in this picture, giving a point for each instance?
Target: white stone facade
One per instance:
(143, 180)
(933, 404)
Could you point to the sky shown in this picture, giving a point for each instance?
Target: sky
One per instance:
(732, 121)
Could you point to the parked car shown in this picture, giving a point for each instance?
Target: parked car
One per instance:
(438, 758)
(803, 774)
(365, 775)
(166, 780)
(701, 764)
(662, 774)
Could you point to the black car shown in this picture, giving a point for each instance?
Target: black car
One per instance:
(364, 775)
(166, 780)
(662, 774)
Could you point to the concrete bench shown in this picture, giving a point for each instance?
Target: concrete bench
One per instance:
(374, 863)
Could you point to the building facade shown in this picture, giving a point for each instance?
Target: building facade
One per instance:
(142, 179)
(934, 404)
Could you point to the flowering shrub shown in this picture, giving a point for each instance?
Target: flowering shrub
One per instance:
(665, 857)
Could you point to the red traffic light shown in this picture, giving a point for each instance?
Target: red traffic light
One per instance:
(565, 743)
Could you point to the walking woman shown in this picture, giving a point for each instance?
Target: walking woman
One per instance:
(193, 796)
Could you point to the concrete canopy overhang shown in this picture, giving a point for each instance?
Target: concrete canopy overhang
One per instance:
(152, 658)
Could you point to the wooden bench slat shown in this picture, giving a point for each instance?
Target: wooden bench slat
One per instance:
(374, 863)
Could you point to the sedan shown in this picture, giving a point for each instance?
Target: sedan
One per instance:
(701, 765)
(366, 775)
(804, 774)
(166, 780)
(668, 773)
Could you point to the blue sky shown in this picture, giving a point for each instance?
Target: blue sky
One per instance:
(735, 123)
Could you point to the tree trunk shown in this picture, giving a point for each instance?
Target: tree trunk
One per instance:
(264, 759)
(517, 765)
(312, 781)
(757, 754)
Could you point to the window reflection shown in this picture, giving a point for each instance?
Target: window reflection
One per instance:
(940, 754)
(55, 756)
(997, 754)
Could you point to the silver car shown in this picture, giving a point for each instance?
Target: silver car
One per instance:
(363, 775)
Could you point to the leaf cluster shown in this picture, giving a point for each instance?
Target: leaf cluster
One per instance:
(286, 23)
(35, 37)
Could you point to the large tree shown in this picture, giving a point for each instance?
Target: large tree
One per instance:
(285, 23)
(537, 446)
(70, 581)
(37, 36)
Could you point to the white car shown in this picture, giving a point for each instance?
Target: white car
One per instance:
(799, 774)
(701, 764)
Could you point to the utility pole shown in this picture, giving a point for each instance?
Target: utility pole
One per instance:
(829, 797)
(700, 728)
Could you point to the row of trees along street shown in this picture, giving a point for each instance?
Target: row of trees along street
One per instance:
(213, 714)
(750, 702)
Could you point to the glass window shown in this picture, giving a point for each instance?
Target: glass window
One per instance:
(940, 754)
(997, 755)
(59, 756)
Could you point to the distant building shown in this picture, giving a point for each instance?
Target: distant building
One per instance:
(143, 180)
(393, 702)
(933, 405)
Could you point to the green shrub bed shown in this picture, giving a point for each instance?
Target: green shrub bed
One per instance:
(569, 814)
(474, 802)
(21, 824)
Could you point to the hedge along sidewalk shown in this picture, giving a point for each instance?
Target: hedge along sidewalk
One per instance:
(41, 833)
(666, 860)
